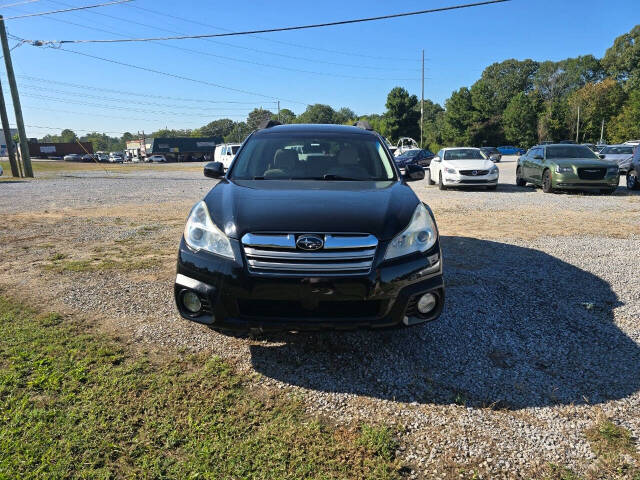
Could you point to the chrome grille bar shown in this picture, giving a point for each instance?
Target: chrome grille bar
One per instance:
(277, 254)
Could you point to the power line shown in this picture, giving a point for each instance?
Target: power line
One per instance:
(272, 40)
(127, 92)
(175, 75)
(24, 2)
(233, 59)
(74, 129)
(225, 44)
(39, 14)
(271, 30)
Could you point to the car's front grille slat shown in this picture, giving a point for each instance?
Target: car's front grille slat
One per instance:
(277, 254)
(469, 173)
(592, 173)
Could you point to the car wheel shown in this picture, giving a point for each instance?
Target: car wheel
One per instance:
(633, 183)
(520, 182)
(428, 178)
(441, 184)
(547, 185)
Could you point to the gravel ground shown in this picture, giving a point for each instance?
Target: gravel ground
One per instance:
(539, 338)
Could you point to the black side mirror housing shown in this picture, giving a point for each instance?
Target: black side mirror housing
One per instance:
(601, 156)
(413, 173)
(214, 170)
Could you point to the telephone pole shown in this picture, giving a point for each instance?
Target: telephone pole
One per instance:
(24, 144)
(278, 110)
(602, 133)
(8, 140)
(422, 104)
(578, 126)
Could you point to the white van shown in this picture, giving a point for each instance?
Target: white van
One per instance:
(225, 153)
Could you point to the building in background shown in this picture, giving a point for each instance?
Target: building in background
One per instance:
(138, 148)
(185, 149)
(3, 142)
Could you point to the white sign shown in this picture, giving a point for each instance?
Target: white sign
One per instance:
(48, 149)
(205, 144)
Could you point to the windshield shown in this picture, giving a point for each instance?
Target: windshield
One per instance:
(570, 151)
(326, 157)
(464, 154)
(617, 150)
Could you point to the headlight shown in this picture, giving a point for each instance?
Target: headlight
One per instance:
(200, 233)
(612, 170)
(450, 170)
(564, 169)
(493, 170)
(419, 236)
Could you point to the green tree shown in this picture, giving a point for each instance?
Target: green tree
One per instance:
(378, 123)
(622, 60)
(626, 125)
(552, 122)
(403, 116)
(555, 80)
(286, 116)
(256, 117)
(317, 113)
(68, 136)
(170, 133)
(458, 119)
(240, 131)
(500, 82)
(218, 128)
(521, 121)
(345, 116)
(597, 102)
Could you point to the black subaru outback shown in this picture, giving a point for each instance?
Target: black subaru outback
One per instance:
(312, 227)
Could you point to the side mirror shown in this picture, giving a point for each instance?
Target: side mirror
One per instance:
(493, 157)
(435, 159)
(413, 173)
(214, 170)
(602, 156)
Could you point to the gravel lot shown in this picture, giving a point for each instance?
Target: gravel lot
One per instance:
(540, 336)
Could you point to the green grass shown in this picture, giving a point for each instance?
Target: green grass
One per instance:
(53, 167)
(79, 405)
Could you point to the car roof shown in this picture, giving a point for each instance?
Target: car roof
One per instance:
(314, 128)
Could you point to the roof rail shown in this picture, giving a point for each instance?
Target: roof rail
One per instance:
(268, 124)
(363, 124)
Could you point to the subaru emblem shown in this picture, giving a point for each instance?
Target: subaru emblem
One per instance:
(310, 242)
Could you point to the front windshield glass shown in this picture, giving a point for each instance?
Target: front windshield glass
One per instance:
(570, 151)
(326, 157)
(464, 154)
(617, 150)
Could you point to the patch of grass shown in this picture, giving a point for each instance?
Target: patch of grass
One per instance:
(101, 264)
(613, 444)
(56, 257)
(77, 405)
(556, 472)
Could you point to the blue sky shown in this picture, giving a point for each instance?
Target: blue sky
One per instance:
(352, 65)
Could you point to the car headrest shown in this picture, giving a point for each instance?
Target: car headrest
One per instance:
(285, 159)
(348, 156)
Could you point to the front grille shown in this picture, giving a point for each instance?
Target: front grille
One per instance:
(277, 254)
(469, 173)
(592, 173)
(293, 310)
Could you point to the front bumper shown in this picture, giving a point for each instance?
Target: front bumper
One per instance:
(571, 181)
(452, 180)
(234, 299)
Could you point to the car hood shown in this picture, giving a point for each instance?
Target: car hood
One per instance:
(469, 164)
(382, 209)
(582, 162)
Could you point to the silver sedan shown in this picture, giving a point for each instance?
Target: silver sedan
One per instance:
(621, 154)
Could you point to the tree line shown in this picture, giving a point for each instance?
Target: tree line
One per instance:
(519, 102)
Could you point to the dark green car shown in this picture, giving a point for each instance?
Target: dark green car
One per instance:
(566, 167)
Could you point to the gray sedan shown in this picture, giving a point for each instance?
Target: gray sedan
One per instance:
(621, 154)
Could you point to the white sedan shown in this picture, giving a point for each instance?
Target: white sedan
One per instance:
(462, 167)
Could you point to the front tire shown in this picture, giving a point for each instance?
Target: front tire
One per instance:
(633, 182)
(547, 184)
(441, 184)
(520, 182)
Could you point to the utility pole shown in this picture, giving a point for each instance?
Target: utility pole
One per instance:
(15, 171)
(24, 144)
(278, 110)
(422, 104)
(602, 133)
(578, 127)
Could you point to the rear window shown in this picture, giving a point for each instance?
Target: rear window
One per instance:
(570, 151)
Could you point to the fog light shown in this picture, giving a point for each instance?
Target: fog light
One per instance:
(426, 303)
(191, 302)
